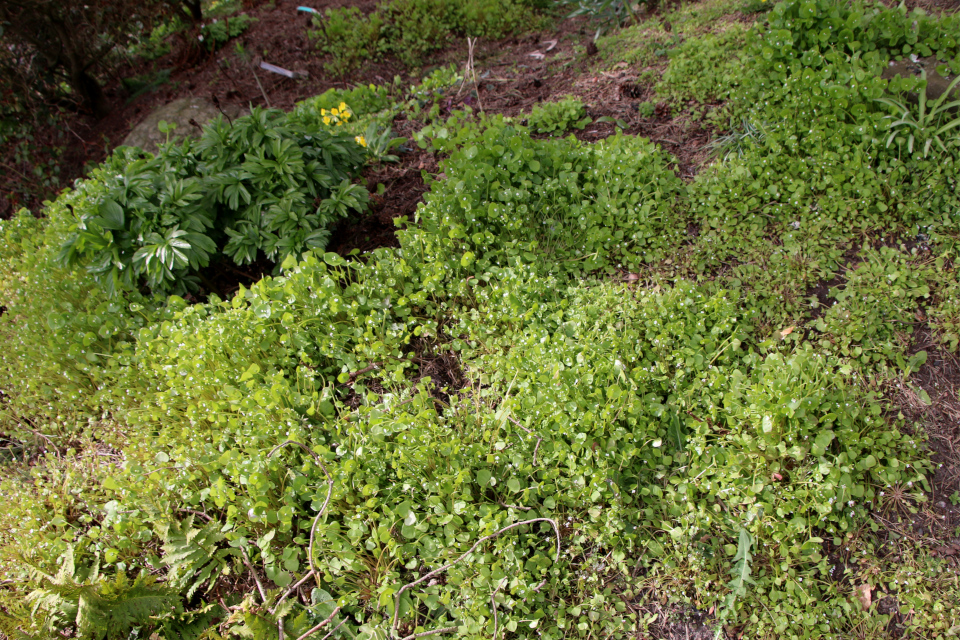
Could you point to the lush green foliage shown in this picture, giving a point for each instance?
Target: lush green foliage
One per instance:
(263, 185)
(587, 207)
(802, 29)
(685, 379)
(59, 332)
(927, 126)
(706, 69)
(411, 29)
(559, 116)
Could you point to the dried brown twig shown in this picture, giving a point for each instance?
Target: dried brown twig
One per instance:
(470, 69)
(310, 632)
(412, 636)
(253, 572)
(493, 604)
(334, 630)
(306, 577)
(316, 518)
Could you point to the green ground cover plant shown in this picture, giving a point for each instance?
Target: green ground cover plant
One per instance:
(649, 42)
(707, 74)
(657, 392)
(587, 207)
(559, 116)
(411, 29)
(808, 104)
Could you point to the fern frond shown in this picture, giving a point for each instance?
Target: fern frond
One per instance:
(190, 625)
(51, 609)
(16, 621)
(194, 556)
(102, 609)
(111, 609)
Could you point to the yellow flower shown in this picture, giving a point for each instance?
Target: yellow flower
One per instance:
(361, 141)
(334, 112)
(323, 112)
(326, 119)
(343, 106)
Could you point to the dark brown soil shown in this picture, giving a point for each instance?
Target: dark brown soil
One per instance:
(822, 289)
(675, 622)
(403, 189)
(445, 375)
(224, 278)
(939, 422)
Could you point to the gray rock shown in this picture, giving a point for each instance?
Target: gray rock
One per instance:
(911, 67)
(146, 135)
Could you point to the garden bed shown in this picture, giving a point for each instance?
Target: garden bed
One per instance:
(650, 338)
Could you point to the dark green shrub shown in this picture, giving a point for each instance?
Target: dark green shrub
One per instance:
(59, 44)
(265, 184)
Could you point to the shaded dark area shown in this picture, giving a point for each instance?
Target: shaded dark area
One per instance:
(223, 277)
(676, 622)
(445, 374)
(403, 188)
(939, 421)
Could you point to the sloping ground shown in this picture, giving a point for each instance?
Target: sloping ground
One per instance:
(700, 385)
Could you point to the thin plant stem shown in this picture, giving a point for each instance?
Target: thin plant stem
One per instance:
(313, 527)
(410, 585)
(312, 631)
(412, 636)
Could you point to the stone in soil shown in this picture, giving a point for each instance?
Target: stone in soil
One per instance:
(147, 135)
